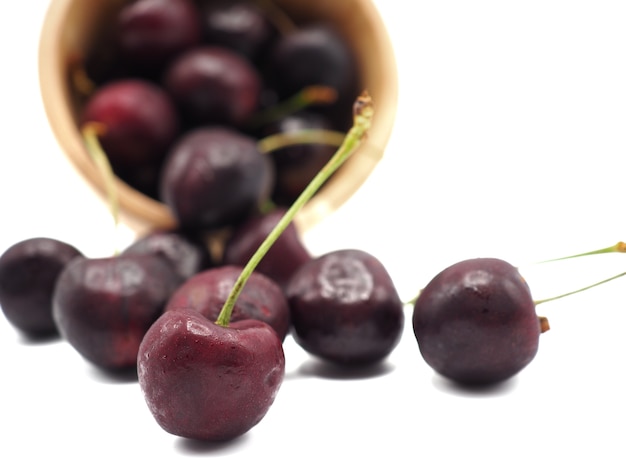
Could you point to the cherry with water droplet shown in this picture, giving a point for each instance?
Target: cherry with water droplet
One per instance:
(345, 308)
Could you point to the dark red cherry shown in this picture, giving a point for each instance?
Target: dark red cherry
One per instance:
(475, 322)
(261, 298)
(312, 55)
(209, 382)
(345, 308)
(215, 177)
(237, 25)
(104, 306)
(28, 273)
(213, 85)
(285, 256)
(187, 255)
(150, 33)
(140, 123)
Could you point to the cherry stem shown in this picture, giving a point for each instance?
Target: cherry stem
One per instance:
(549, 299)
(619, 247)
(363, 112)
(308, 96)
(275, 142)
(91, 132)
(80, 80)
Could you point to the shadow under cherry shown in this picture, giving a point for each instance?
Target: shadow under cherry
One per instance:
(314, 367)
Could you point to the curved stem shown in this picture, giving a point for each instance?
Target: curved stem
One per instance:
(363, 113)
(549, 299)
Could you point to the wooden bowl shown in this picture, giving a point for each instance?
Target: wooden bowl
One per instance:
(70, 27)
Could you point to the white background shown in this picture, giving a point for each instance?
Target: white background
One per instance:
(509, 142)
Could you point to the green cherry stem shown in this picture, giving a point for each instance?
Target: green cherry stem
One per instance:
(549, 299)
(363, 112)
(619, 247)
(308, 96)
(274, 142)
(91, 132)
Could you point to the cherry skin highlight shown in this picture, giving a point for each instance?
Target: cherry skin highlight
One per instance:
(475, 322)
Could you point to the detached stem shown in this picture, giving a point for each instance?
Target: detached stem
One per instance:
(549, 299)
(363, 113)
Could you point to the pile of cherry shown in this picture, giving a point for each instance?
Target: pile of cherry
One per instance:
(177, 86)
(210, 370)
(156, 307)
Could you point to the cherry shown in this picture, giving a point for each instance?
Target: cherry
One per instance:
(475, 322)
(104, 306)
(151, 33)
(213, 85)
(260, 299)
(216, 380)
(205, 381)
(345, 308)
(240, 26)
(139, 122)
(187, 255)
(312, 55)
(283, 258)
(28, 273)
(215, 177)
